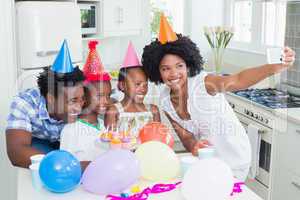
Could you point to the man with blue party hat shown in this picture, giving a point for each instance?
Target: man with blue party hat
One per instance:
(37, 115)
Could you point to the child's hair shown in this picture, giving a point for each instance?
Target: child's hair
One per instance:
(184, 47)
(123, 72)
(87, 91)
(52, 82)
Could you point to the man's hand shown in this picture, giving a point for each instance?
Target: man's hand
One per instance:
(198, 144)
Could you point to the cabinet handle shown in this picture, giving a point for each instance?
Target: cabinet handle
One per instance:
(46, 53)
(297, 185)
(121, 15)
(118, 15)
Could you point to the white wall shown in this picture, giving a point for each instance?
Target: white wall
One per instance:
(203, 13)
(7, 88)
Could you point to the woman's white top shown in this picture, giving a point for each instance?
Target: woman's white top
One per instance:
(212, 118)
(82, 140)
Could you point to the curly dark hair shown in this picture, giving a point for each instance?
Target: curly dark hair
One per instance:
(184, 47)
(52, 82)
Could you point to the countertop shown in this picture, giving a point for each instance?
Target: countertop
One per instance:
(290, 114)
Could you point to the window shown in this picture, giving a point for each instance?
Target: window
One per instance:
(258, 24)
(173, 10)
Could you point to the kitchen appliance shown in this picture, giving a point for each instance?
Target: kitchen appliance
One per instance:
(88, 14)
(255, 106)
(41, 27)
(271, 98)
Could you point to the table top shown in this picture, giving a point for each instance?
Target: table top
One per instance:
(27, 191)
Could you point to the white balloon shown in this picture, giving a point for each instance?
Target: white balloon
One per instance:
(209, 179)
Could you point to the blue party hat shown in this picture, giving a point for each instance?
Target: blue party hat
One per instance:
(63, 62)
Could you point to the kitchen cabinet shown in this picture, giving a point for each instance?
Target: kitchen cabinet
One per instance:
(286, 179)
(287, 186)
(120, 17)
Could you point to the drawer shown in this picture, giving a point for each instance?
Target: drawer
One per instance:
(288, 149)
(286, 186)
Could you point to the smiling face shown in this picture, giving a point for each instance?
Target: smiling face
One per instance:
(100, 96)
(135, 85)
(173, 71)
(68, 104)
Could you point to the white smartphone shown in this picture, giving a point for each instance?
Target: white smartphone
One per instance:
(275, 55)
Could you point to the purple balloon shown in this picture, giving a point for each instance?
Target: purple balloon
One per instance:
(112, 172)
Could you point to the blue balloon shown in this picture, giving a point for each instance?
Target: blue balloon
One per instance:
(60, 171)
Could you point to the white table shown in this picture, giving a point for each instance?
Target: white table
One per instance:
(26, 192)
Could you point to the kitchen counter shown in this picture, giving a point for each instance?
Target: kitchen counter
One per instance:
(26, 191)
(290, 114)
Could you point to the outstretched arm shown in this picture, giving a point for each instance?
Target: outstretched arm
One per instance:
(246, 78)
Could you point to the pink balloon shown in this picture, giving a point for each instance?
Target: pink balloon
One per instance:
(112, 172)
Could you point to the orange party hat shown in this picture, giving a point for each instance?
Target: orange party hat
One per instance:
(166, 33)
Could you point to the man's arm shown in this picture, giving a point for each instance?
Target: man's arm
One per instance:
(18, 145)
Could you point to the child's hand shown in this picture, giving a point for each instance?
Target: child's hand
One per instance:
(198, 145)
(288, 59)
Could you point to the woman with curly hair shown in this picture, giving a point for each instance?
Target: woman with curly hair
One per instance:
(194, 102)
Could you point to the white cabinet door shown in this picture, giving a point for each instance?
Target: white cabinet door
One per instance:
(130, 15)
(287, 186)
(121, 17)
(288, 148)
(286, 178)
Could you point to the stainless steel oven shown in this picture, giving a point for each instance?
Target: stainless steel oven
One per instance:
(265, 149)
(249, 114)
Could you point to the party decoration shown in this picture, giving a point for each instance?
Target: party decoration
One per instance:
(60, 171)
(63, 62)
(237, 188)
(131, 59)
(158, 161)
(211, 178)
(166, 33)
(93, 69)
(112, 172)
(158, 132)
(156, 189)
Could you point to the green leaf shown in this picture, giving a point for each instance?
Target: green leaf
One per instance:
(209, 41)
